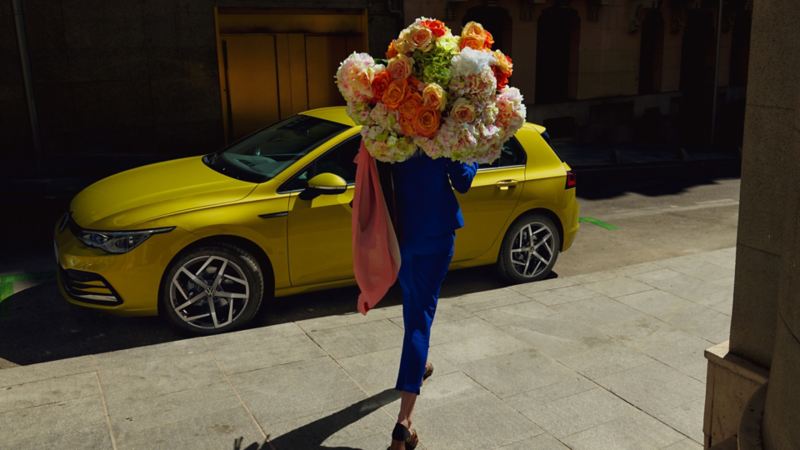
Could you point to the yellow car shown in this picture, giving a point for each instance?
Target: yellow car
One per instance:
(204, 240)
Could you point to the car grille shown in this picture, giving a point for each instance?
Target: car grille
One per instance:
(88, 287)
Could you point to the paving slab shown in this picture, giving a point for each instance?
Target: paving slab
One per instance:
(541, 442)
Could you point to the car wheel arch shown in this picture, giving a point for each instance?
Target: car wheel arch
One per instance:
(265, 264)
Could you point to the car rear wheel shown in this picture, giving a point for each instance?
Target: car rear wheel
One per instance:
(530, 249)
(212, 289)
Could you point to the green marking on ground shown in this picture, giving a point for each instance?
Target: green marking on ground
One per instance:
(7, 281)
(598, 222)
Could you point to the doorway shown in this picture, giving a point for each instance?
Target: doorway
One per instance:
(274, 65)
(557, 42)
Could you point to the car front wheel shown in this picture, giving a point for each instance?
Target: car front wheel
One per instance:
(530, 249)
(212, 289)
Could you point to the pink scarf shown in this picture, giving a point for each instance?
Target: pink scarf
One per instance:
(376, 253)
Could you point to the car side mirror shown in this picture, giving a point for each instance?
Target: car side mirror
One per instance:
(324, 184)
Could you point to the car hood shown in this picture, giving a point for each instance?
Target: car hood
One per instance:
(130, 198)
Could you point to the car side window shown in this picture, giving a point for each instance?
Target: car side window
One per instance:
(338, 160)
(512, 155)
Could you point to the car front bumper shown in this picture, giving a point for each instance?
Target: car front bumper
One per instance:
(125, 284)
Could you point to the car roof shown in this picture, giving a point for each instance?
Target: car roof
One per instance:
(338, 114)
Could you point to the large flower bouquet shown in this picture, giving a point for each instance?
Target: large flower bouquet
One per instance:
(447, 95)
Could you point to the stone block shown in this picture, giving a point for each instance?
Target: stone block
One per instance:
(290, 391)
(473, 339)
(541, 442)
(360, 425)
(133, 417)
(479, 421)
(776, 87)
(754, 305)
(634, 431)
(730, 384)
(359, 339)
(617, 287)
(377, 371)
(573, 414)
(206, 428)
(783, 397)
(66, 421)
(764, 159)
(515, 373)
(49, 370)
(606, 360)
(48, 391)
(488, 299)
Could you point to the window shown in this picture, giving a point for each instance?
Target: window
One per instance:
(266, 153)
(338, 160)
(511, 155)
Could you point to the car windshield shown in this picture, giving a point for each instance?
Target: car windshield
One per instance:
(266, 153)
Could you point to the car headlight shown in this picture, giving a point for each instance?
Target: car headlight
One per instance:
(117, 241)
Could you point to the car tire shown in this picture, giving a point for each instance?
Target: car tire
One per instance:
(236, 294)
(519, 261)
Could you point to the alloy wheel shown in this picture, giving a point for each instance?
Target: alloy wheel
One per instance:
(209, 292)
(532, 249)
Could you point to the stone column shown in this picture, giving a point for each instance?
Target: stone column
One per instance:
(765, 323)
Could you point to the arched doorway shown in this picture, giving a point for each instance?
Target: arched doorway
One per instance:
(557, 42)
(497, 21)
(651, 52)
(697, 75)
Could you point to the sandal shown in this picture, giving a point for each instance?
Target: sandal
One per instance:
(405, 436)
(428, 371)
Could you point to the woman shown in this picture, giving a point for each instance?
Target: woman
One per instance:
(425, 212)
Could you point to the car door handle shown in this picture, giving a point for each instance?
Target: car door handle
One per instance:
(504, 185)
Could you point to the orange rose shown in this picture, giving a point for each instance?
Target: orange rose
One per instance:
(403, 44)
(414, 82)
(400, 66)
(488, 40)
(433, 96)
(422, 37)
(379, 84)
(473, 29)
(395, 93)
(410, 104)
(503, 62)
(472, 42)
(391, 52)
(426, 122)
(437, 27)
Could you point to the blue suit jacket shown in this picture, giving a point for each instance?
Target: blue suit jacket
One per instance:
(421, 199)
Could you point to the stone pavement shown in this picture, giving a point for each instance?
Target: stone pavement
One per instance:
(605, 360)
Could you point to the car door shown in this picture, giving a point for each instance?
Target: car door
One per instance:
(319, 236)
(487, 206)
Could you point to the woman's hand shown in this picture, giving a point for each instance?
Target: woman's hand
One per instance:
(461, 174)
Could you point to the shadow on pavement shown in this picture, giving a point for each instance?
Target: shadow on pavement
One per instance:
(312, 435)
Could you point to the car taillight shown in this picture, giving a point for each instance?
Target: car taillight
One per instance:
(571, 182)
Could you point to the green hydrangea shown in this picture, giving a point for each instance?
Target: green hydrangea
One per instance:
(433, 66)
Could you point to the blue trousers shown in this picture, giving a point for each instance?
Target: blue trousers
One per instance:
(423, 268)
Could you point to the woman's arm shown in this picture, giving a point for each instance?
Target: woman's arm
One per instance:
(461, 175)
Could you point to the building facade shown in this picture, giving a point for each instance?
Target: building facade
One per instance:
(178, 77)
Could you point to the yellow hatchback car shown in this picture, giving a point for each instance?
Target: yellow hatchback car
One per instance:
(204, 240)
